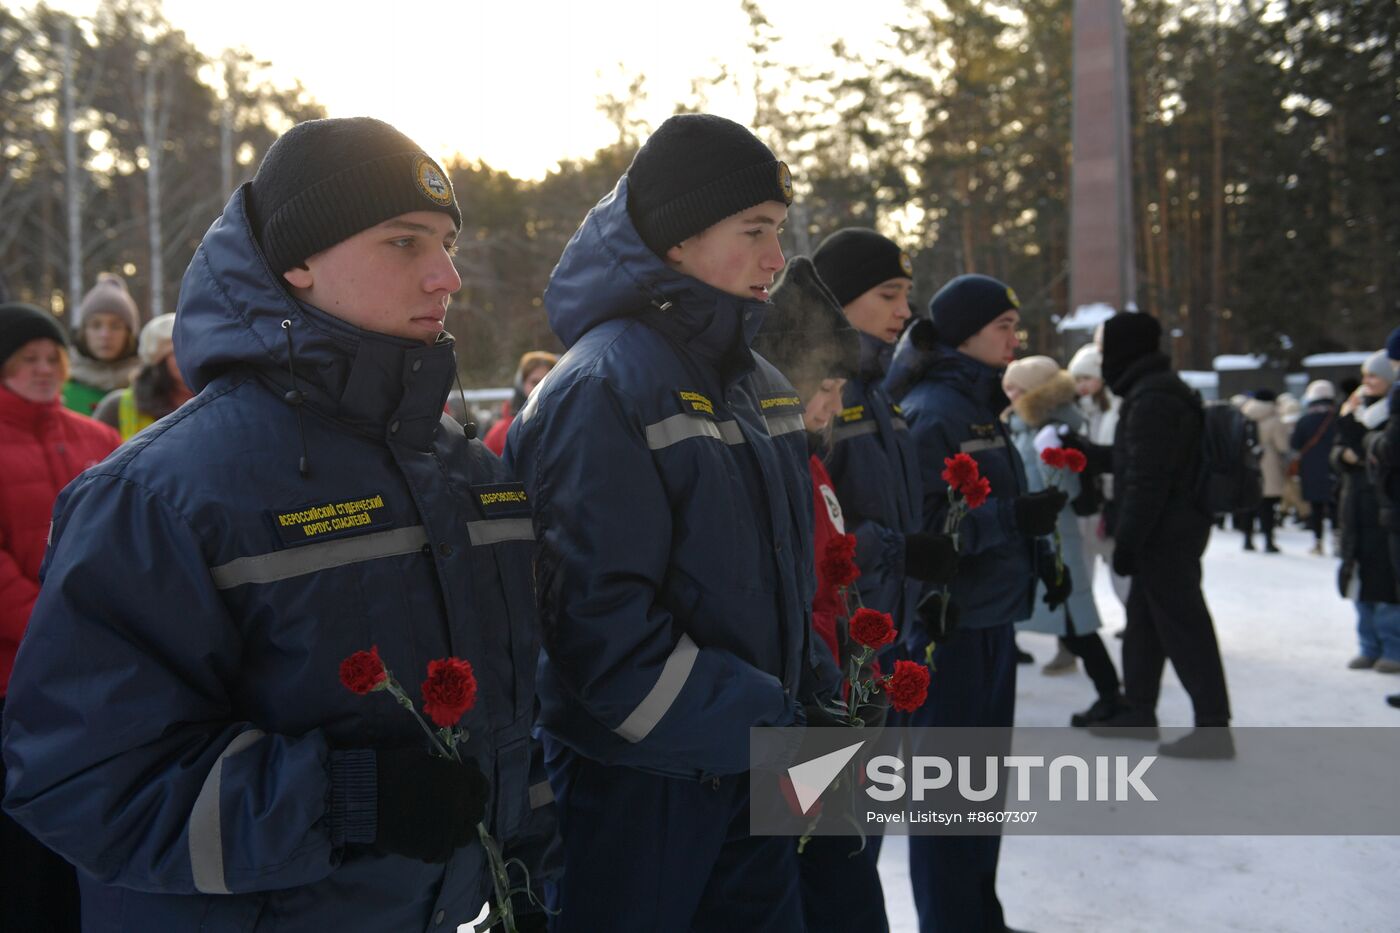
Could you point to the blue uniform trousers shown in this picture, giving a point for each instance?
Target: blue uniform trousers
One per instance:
(646, 853)
(954, 877)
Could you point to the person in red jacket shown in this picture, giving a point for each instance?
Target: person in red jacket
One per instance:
(533, 367)
(43, 446)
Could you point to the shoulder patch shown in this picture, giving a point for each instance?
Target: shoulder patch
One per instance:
(330, 519)
(500, 500)
(780, 402)
(695, 402)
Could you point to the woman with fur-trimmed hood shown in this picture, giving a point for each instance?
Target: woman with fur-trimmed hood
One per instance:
(1043, 396)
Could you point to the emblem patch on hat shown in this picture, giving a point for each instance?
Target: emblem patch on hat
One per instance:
(1011, 293)
(906, 264)
(431, 181)
(785, 181)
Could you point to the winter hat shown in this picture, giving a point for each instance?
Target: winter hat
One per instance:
(109, 296)
(1087, 361)
(1392, 345)
(805, 334)
(1264, 395)
(532, 358)
(1128, 336)
(21, 323)
(1030, 373)
(854, 260)
(967, 304)
(1378, 364)
(1319, 390)
(696, 170)
(157, 339)
(324, 181)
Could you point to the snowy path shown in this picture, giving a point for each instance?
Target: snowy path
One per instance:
(1286, 637)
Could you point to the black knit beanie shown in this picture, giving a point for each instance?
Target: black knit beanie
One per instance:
(324, 181)
(854, 260)
(805, 334)
(696, 170)
(21, 323)
(1127, 337)
(967, 304)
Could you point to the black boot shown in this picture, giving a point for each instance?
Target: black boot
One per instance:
(1394, 700)
(1270, 547)
(1023, 656)
(1104, 707)
(1214, 742)
(1248, 543)
(1128, 723)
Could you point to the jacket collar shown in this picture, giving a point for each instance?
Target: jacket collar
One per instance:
(21, 412)
(1142, 366)
(875, 356)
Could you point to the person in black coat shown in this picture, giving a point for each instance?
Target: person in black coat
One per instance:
(1161, 531)
(1312, 439)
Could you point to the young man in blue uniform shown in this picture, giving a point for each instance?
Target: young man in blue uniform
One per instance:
(175, 726)
(947, 376)
(667, 465)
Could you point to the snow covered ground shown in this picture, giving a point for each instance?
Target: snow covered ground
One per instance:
(1286, 637)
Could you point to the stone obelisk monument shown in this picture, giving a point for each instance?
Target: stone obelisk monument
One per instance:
(1101, 223)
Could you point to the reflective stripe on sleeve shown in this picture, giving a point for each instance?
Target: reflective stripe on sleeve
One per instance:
(206, 839)
(681, 427)
(845, 431)
(541, 795)
(494, 531)
(668, 686)
(779, 425)
(295, 562)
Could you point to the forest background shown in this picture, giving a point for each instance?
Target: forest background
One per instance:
(1265, 156)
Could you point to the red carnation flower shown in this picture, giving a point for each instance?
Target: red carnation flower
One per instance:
(449, 691)
(872, 629)
(1075, 461)
(907, 686)
(838, 564)
(960, 470)
(977, 492)
(1053, 457)
(363, 672)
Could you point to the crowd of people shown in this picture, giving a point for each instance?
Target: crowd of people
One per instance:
(269, 485)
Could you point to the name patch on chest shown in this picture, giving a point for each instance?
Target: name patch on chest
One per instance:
(695, 402)
(502, 500)
(331, 519)
(781, 402)
(854, 413)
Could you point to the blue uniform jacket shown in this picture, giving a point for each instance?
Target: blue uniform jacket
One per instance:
(876, 471)
(953, 405)
(667, 466)
(175, 726)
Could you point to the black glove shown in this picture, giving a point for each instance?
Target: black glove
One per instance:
(1344, 575)
(1088, 502)
(1124, 562)
(535, 922)
(1037, 512)
(1057, 593)
(428, 807)
(931, 558)
(929, 610)
(1098, 457)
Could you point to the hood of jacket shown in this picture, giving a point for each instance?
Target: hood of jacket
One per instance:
(918, 356)
(1036, 406)
(230, 317)
(606, 272)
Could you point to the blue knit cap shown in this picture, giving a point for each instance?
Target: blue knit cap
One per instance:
(967, 304)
